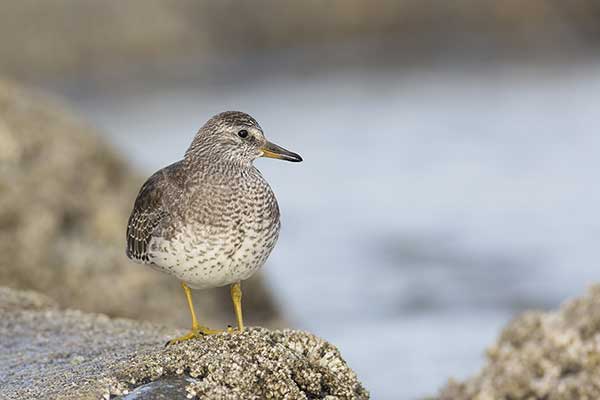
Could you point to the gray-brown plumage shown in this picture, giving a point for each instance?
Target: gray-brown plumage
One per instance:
(149, 210)
(210, 219)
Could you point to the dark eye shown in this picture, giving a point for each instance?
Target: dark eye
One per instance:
(243, 133)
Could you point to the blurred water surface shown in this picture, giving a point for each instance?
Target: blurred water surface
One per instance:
(432, 205)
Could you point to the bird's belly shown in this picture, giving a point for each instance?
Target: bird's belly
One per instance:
(211, 260)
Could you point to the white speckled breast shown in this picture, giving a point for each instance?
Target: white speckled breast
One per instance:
(203, 259)
(223, 235)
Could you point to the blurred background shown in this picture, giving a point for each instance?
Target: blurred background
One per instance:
(450, 175)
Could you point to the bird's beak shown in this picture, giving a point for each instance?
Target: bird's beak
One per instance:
(271, 150)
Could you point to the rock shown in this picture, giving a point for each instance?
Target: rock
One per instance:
(24, 300)
(66, 354)
(65, 197)
(545, 356)
(164, 388)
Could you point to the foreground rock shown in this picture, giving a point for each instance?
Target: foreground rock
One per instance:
(46, 352)
(65, 197)
(545, 356)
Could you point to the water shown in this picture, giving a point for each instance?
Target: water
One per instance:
(432, 205)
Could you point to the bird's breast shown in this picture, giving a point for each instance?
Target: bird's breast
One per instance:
(232, 203)
(223, 235)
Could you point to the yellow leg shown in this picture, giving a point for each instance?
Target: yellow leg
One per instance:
(188, 296)
(236, 297)
(197, 329)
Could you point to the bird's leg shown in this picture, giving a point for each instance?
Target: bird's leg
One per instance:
(188, 296)
(197, 329)
(236, 297)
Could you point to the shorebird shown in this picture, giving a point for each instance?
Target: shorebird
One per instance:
(210, 219)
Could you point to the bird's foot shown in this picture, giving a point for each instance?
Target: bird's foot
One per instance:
(195, 333)
(231, 329)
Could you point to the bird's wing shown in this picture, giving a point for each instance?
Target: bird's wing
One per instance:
(149, 211)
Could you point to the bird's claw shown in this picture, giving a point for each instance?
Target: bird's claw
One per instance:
(195, 333)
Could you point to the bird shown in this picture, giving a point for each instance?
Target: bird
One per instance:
(210, 219)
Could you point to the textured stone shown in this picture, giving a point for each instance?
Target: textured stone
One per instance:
(24, 300)
(542, 356)
(65, 197)
(164, 388)
(66, 354)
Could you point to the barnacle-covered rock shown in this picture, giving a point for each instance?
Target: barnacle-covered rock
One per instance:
(542, 356)
(66, 354)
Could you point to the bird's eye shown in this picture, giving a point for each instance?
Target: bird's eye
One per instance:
(243, 133)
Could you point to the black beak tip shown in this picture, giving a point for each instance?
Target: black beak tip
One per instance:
(296, 158)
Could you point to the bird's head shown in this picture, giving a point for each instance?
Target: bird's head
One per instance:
(236, 137)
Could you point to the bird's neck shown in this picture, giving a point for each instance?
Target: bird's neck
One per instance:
(214, 164)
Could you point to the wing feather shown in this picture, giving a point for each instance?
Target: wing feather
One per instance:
(148, 212)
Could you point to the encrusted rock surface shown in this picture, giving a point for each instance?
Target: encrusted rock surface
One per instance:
(66, 354)
(542, 356)
(65, 197)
